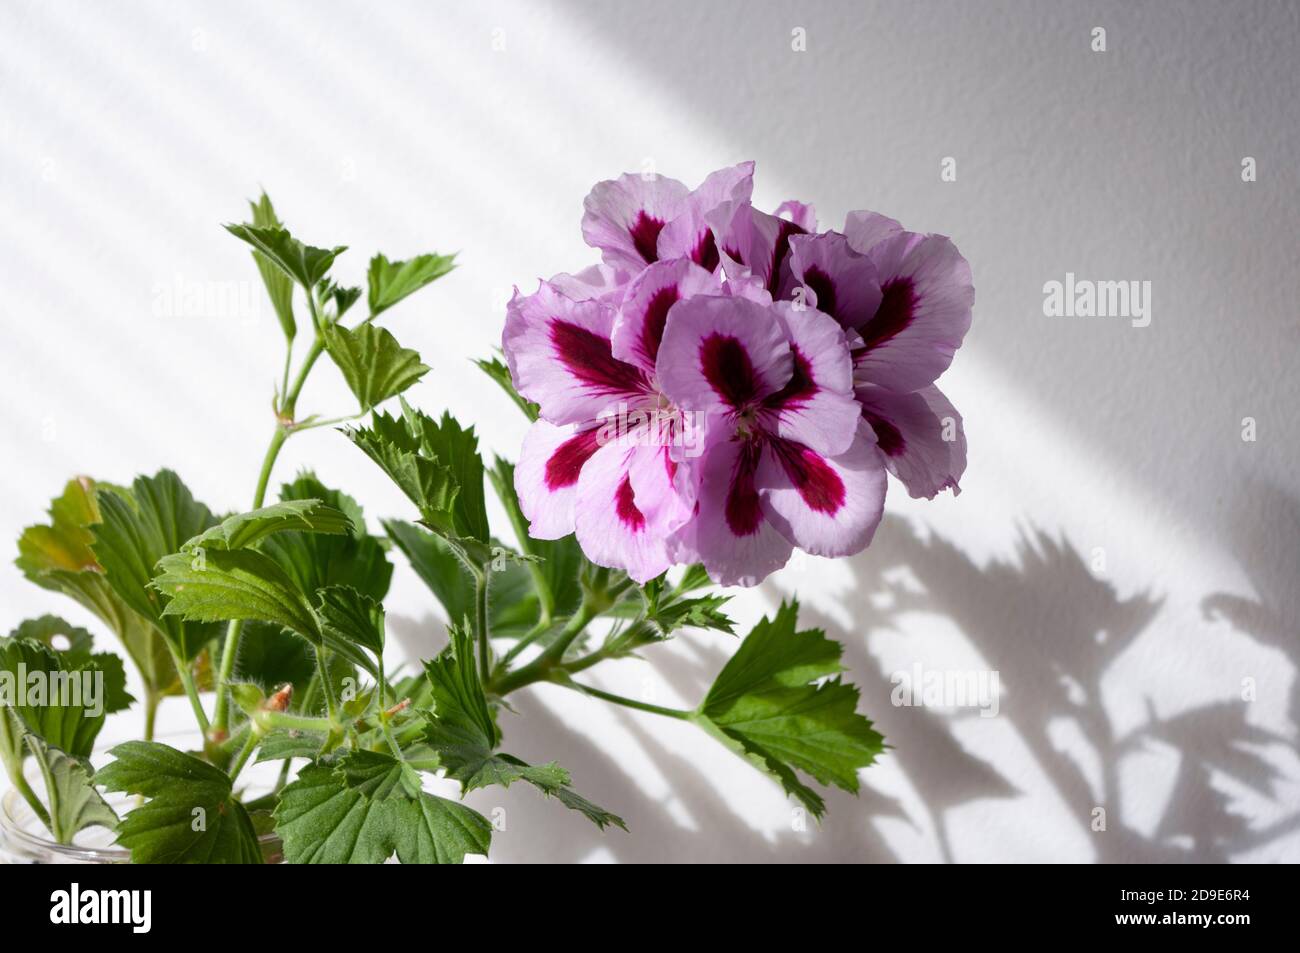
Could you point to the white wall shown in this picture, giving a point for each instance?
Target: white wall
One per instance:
(129, 133)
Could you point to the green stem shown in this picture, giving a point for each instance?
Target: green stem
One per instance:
(191, 691)
(388, 736)
(531, 636)
(288, 362)
(53, 820)
(25, 789)
(627, 702)
(310, 424)
(230, 650)
(290, 722)
(481, 624)
(322, 672)
(541, 667)
(151, 700)
(244, 754)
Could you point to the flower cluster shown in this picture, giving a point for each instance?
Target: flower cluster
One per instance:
(729, 384)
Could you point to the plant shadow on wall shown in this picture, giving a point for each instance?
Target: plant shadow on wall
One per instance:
(1082, 628)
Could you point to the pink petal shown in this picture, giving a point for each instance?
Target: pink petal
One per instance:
(560, 356)
(718, 196)
(624, 217)
(546, 478)
(836, 279)
(910, 431)
(827, 506)
(757, 245)
(864, 230)
(594, 283)
(611, 529)
(730, 533)
(722, 353)
(800, 213)
(925, 311)
(816, 406)
(665, 499)
(639, 327)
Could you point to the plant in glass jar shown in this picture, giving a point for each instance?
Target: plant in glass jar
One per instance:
(724, 387)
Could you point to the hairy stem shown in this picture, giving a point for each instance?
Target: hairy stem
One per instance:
(191, 691)
(244, 754)
(230, 649)
(627, 702)
(151, 700)
(540, 668)
(283, 430)
(322, 672)
(481, 623)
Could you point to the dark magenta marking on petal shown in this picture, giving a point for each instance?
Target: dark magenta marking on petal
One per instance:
(589, 358)
(820, 284)
(780, 251)
(656, 316)
(888, 437)
(645, 236)
(567, 460)
(734, 255)
(726, 366)
(819, 485)
(799, 389)
(897, 308)
(705, 252)
(743, 513)
(625, 506)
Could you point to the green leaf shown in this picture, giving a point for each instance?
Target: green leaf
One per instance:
(700, 613)
(234, 584)
(374, 365)
(73, 645)
(770, 705)
(512, 608)
(456, 448)
(426, 482)
(62, 699)
(282, 745)
(342, 298)
(137, 530)
(58, 557)
(248, 529)
(279, 286)
(271, 656)
(191, 817)
(364, 807)
(315, 561)
(497, 370)
(73, 802)
(351, 622)
(437, 566)
(391, 281)
(463, 733)
(303, 263)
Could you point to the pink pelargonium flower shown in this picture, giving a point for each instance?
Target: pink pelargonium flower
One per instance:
(637, 220)
(906, 300)
(729, 384)
(605, 458)
(790, 462)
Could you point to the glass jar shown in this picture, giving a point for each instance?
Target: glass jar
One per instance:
(24, 839)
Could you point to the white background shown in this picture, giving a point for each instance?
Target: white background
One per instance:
(129, 132)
